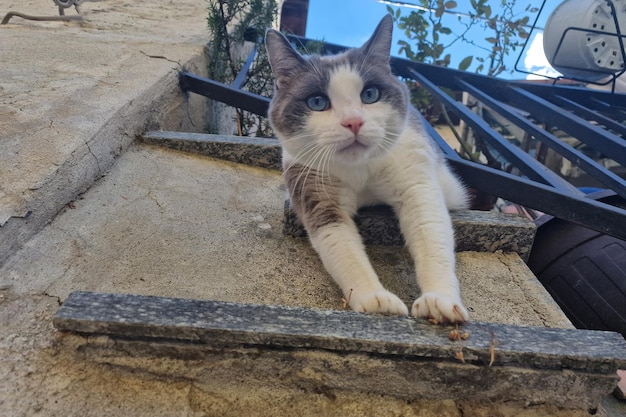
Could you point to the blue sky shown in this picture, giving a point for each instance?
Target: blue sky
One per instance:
(351, 22)
(346, 22)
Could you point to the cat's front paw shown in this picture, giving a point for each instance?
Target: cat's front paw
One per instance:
(440, 307)
(381, 301)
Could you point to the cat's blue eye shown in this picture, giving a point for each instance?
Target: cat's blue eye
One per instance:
(318, 102)
(370, 94)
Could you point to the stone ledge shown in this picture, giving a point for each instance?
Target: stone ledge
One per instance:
(565, 367)
(478, 231)
(260, 152)
(474, 230)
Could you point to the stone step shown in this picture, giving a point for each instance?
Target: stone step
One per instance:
(260, 152)
(474, 230)
(211, 246)
(478, 231)
(328, 350)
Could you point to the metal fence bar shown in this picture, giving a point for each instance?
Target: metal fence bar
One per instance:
(607, 109)
(224, 93)
(576, 209)
(589, 114)
(527, 165)
(579, 159)
(443, 145)
(242, 75)
(581, 95)
(594, 136)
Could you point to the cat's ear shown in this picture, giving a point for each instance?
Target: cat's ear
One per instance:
(378, 47)
(285, 61)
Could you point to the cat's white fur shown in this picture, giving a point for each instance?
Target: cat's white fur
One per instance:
(403, 170)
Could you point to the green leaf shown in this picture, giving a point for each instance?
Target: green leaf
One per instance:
(491, 40)
(487, 11)
(450, 4)
(466, 62)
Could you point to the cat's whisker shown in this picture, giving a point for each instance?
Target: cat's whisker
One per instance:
(388, 138)
(316, 157)
(300, 137)
(310, 148)
(318, 174)
(305, 171)
(300, 158)
(319, 164)
(364, 62)
(388, 141)
(303, 47)
(317, 70)
(365, 72)
(387, 145)
(325, 178)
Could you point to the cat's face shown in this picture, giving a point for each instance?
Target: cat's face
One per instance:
(346, 108)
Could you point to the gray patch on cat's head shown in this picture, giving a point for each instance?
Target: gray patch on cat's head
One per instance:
(299, 77)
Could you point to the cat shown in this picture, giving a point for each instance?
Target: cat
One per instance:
(350, 138)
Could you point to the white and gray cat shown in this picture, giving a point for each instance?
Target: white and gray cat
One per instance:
(350, 138)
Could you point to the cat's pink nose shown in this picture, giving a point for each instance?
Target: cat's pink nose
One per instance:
(353, 123)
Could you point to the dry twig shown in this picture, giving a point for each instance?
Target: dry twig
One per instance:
(345, 300)
(492, 348)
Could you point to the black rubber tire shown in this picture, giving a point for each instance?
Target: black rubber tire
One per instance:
(584, 271)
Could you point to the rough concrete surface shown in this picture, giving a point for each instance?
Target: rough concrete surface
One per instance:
(72, 98)
(172, 224)
(74, 95)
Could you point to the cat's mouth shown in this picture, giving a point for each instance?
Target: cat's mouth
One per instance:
(353, 146)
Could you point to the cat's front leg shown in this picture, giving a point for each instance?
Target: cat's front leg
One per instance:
(427, 229)
(333, 234)
(343, 255)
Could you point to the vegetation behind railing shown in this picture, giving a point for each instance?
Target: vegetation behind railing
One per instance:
(232, 25)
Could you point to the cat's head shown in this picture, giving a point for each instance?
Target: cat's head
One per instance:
(348, 107)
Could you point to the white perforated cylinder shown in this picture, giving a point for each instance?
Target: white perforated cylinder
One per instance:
(585, 54)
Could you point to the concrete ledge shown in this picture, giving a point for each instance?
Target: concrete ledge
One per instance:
(398, 356)
(260, 152)
(474, 230)
(478, 231)
(223, 323)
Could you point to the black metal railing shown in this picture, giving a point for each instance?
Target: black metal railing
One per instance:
(595, 118)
